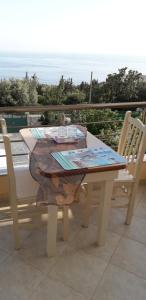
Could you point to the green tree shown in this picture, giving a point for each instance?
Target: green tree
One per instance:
(74, 97)
(85, 88)
(18, 92)
(51, 95)
(122, 86)
(142, 91)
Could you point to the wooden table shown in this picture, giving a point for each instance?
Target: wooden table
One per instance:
(103, 174)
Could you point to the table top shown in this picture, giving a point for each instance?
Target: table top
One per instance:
(57, 170)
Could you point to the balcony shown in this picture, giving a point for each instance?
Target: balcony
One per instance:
(33, 114)
(80, 270)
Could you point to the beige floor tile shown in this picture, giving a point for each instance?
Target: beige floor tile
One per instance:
(34, 251)
(137, 229)
(3, 255)
(118, 215)
(78, 265)
(118, 284)
(86, 240)
(54, 290)
(140, 210)
(79, 271)
(117, 220)
(131, 255)
(141, 192)
(7, 240)
(17, 279)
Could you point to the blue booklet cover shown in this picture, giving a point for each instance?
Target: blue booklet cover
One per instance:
(37, 133)
(87, 158)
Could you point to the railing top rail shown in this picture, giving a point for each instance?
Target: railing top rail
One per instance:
(62, 107)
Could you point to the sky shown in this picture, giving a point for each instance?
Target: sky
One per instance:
(73, 26)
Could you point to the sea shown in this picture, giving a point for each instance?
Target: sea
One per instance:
(49, 67)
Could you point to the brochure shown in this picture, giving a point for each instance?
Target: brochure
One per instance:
(87, 158)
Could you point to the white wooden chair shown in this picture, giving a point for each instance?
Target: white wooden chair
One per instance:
(132, 146)
(22, 195)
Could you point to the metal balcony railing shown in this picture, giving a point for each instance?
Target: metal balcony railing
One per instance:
(72, 112)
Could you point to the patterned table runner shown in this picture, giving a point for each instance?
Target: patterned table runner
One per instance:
(54, 189)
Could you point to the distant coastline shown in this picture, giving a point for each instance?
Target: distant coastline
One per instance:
(50, 67)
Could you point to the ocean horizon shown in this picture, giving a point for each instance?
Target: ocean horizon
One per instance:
(49, 67)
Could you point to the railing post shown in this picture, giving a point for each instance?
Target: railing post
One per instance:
(143, 115)
(28, 118)
(3, 126)
(90, 93)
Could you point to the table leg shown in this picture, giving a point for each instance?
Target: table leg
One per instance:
(87, 205)
(103, 211)
(51, 230)
(65, 222)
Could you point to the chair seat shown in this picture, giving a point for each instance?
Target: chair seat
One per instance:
(124, 175)
(26, 186)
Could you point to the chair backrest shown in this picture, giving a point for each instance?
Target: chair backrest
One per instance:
(10, 168)
(132, 144)
(3, 125)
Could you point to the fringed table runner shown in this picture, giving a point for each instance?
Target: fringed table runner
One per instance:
(57, 186)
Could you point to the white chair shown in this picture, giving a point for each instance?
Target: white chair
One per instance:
(22, 195)
(132, 146)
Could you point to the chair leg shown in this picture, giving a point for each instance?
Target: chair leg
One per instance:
(51, 230)
(14, 215)
(131, 205)
(16, 230)
(87, 206)
(65, 223)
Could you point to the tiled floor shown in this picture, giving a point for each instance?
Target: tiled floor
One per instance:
(80, 270)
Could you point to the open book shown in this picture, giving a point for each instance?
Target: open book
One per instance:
(87, 158)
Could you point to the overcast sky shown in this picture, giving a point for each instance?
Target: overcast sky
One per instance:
(76, 26)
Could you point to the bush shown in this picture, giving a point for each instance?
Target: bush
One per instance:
(18, 92)
(75, 98)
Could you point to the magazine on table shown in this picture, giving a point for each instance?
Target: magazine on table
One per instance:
(87, 158)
